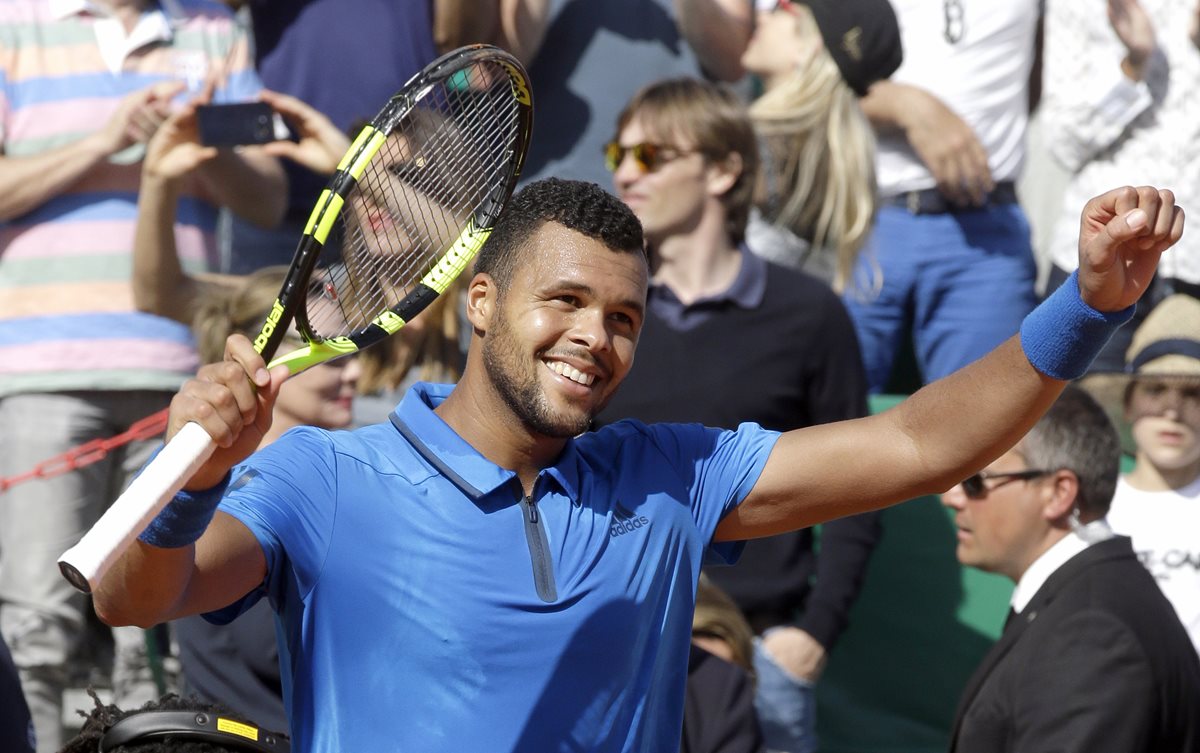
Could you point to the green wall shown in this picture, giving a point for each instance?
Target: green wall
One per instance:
(917, 631)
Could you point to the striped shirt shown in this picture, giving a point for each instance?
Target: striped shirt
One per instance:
(67, 320)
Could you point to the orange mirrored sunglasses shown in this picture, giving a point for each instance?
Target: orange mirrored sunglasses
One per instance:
(647, 156)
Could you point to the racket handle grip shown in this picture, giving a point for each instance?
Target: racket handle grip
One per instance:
(86, 563)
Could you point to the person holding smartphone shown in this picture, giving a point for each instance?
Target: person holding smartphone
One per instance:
(81, 361)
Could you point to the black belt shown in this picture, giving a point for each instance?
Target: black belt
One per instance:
(931, 200)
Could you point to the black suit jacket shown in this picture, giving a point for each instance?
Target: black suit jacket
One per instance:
(1097, 662)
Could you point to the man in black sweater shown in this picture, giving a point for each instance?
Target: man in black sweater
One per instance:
(728, 338)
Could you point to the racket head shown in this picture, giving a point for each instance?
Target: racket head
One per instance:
(411, 203)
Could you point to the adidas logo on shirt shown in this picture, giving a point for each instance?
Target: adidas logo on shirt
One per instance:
(626, 521)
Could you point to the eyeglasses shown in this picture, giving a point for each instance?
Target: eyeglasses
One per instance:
(975, 488)
(648, 157)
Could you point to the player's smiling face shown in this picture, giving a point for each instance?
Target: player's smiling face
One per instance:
(562, 335)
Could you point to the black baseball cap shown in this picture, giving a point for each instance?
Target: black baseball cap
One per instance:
(862, 36)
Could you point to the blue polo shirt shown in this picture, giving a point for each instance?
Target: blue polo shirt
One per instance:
(425, 604)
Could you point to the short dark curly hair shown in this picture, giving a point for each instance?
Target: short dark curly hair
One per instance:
(104, 717)
(578, 205)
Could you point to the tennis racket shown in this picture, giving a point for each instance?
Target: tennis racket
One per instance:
(411, 203)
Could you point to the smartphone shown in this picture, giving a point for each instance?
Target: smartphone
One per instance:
(239, 123)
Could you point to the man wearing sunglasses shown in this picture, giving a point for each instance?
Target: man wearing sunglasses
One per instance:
(684, 158)
(1093, 656)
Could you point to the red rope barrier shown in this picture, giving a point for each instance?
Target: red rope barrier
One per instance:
(91, 451)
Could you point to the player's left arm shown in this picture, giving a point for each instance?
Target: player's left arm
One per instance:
(956, 425)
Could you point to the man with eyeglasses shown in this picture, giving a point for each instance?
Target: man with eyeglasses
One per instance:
(1093, 657)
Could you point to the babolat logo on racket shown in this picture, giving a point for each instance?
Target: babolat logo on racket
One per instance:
(520, 91)
(269, 325)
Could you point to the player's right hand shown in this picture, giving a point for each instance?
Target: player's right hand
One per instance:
(232, 400)
(1122, 234)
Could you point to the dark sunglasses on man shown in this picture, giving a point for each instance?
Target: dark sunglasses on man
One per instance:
(975, 487)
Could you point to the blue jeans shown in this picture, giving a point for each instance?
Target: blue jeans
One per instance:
(961, 282)
(786, 706)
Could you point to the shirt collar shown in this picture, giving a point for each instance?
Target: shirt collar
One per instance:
(155, 25)
(61, 9)
(1055, 557)
(746, 291)
(455, 458)
(171, 10)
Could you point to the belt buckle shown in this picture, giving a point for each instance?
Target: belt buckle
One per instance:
(913, 201)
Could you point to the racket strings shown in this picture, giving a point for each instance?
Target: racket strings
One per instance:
(437, 166)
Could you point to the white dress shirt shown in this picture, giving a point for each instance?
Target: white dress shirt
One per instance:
(1036, 575)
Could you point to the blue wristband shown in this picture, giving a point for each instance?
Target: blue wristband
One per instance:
(185, 517)
(1063, 335)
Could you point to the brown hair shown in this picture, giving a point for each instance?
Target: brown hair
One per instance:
(712, 118)
(438, 355)
(229, 309)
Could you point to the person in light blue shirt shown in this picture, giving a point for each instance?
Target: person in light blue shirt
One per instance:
(589, 566)
(482, 572)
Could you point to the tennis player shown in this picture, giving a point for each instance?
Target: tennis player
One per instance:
(482, 572)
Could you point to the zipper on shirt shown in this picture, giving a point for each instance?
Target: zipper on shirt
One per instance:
(539, 551)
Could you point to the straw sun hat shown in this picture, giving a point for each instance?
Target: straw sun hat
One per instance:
(1168, 342)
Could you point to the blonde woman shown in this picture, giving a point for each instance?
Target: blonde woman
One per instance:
(814, 61)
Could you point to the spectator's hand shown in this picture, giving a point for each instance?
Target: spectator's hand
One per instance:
(1194, 30)
(1136, 31)
(948, 147)
(175, 150)
(232, 400)
(320, 146)
(796, 651)
(1122, 234)
(139, 116)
